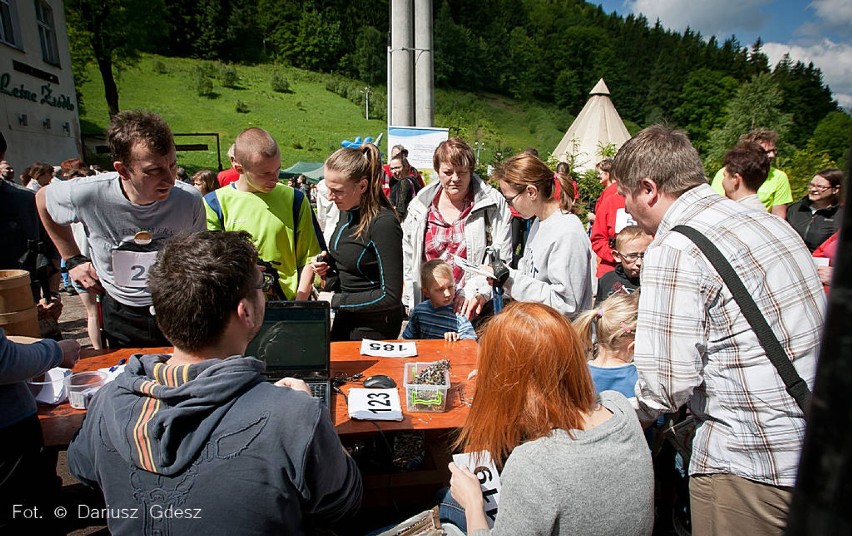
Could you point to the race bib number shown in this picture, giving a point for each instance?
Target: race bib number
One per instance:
(130, 268)
(388, 349)
(481, 465)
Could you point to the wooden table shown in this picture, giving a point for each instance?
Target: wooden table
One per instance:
(61, 422)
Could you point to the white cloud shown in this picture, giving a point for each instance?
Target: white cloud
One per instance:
(836, 14)
(721, 18)
(833, 59)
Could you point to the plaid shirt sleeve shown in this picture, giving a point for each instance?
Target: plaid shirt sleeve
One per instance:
(670, 333)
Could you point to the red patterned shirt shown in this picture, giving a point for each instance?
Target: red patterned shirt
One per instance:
(443, 240)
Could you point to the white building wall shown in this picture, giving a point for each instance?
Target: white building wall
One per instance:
(38, 105)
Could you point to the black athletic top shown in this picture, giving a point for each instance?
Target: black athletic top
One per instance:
(368, 270)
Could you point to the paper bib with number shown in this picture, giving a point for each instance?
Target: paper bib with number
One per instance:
(388, 348)
(481, 465)
(130, 268)
(374, 404)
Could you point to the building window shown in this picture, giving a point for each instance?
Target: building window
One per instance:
(46, 32)
(9, 33)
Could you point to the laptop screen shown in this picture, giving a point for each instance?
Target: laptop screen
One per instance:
(294, 337)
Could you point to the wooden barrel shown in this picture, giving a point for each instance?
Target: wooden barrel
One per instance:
(18, 314)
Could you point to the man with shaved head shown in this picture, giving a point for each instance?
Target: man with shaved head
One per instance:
(278, 217)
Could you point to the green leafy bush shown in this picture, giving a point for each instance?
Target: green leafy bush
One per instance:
(228, 76)
(203, 86)
(241, 107)
(279, 83)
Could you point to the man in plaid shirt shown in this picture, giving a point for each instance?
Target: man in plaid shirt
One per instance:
(695, 347)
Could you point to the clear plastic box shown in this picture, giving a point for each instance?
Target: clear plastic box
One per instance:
(424, 398)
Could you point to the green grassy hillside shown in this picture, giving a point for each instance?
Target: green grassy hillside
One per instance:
(309, 121)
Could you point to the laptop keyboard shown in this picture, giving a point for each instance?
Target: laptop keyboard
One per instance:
(319, 390)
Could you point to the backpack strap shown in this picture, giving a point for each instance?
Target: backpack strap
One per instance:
(213, 202)
(298, 198)
(795, 385)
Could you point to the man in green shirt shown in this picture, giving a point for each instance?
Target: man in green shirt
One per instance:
(278, 218)
(775, 192)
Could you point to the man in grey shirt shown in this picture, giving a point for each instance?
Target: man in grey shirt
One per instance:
(127, 214)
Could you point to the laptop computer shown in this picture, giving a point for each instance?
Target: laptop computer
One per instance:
(295, 341)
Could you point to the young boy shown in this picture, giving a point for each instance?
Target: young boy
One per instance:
(434, 317)
(630, 246)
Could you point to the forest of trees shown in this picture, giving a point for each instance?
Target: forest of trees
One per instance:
(546, 50)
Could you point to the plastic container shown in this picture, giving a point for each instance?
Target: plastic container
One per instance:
(424, 398)
(51, 389)
(82, 386)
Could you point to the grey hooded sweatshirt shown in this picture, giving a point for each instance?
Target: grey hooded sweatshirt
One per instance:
(211, 448)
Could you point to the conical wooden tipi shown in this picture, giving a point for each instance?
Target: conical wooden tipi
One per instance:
(598, 124)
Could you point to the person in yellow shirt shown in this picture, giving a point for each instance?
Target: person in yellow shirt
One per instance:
(775, 192)
(278, 218)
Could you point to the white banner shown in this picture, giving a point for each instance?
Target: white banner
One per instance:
(421, 143)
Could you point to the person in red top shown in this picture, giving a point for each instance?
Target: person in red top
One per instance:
(228, 176)
(610, 218)
(827, 250)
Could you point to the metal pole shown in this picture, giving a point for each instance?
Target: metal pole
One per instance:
(424, 80)
(402, 59)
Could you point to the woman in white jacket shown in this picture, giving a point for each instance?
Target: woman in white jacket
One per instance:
(457, 215)
(556, 266)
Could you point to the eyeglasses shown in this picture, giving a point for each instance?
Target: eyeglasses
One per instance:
(266, 282)
(511, 200)
(631, 257)
(819, 187)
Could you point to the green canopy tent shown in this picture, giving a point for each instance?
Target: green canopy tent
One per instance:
(311, 170)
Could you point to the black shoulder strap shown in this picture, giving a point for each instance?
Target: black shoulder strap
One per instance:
(796, 386)
(298, 197)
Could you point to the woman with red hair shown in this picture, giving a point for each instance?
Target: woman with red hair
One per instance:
(570, 462)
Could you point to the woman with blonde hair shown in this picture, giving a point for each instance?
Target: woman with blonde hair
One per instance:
(570, 461)
(556, 266)
(363, 264)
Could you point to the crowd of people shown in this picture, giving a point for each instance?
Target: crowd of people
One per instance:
(584, 333)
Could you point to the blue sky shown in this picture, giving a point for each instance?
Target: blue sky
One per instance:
(818, 30)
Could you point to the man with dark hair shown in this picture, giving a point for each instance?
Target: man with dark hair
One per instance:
(746, 168)
(278, 217)
(774, 193)
(199, 432)
(128, 215)
(695, 347)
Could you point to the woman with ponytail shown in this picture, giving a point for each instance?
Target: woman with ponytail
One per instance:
(556, 267)
(363, 264)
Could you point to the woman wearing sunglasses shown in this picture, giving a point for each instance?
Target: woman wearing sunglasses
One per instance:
(556, 267)
(817, 216)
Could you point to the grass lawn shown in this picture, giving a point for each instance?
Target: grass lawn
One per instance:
(309, 122)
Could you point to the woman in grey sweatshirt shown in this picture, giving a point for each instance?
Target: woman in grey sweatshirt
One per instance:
(570, 462)
(556, 267)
